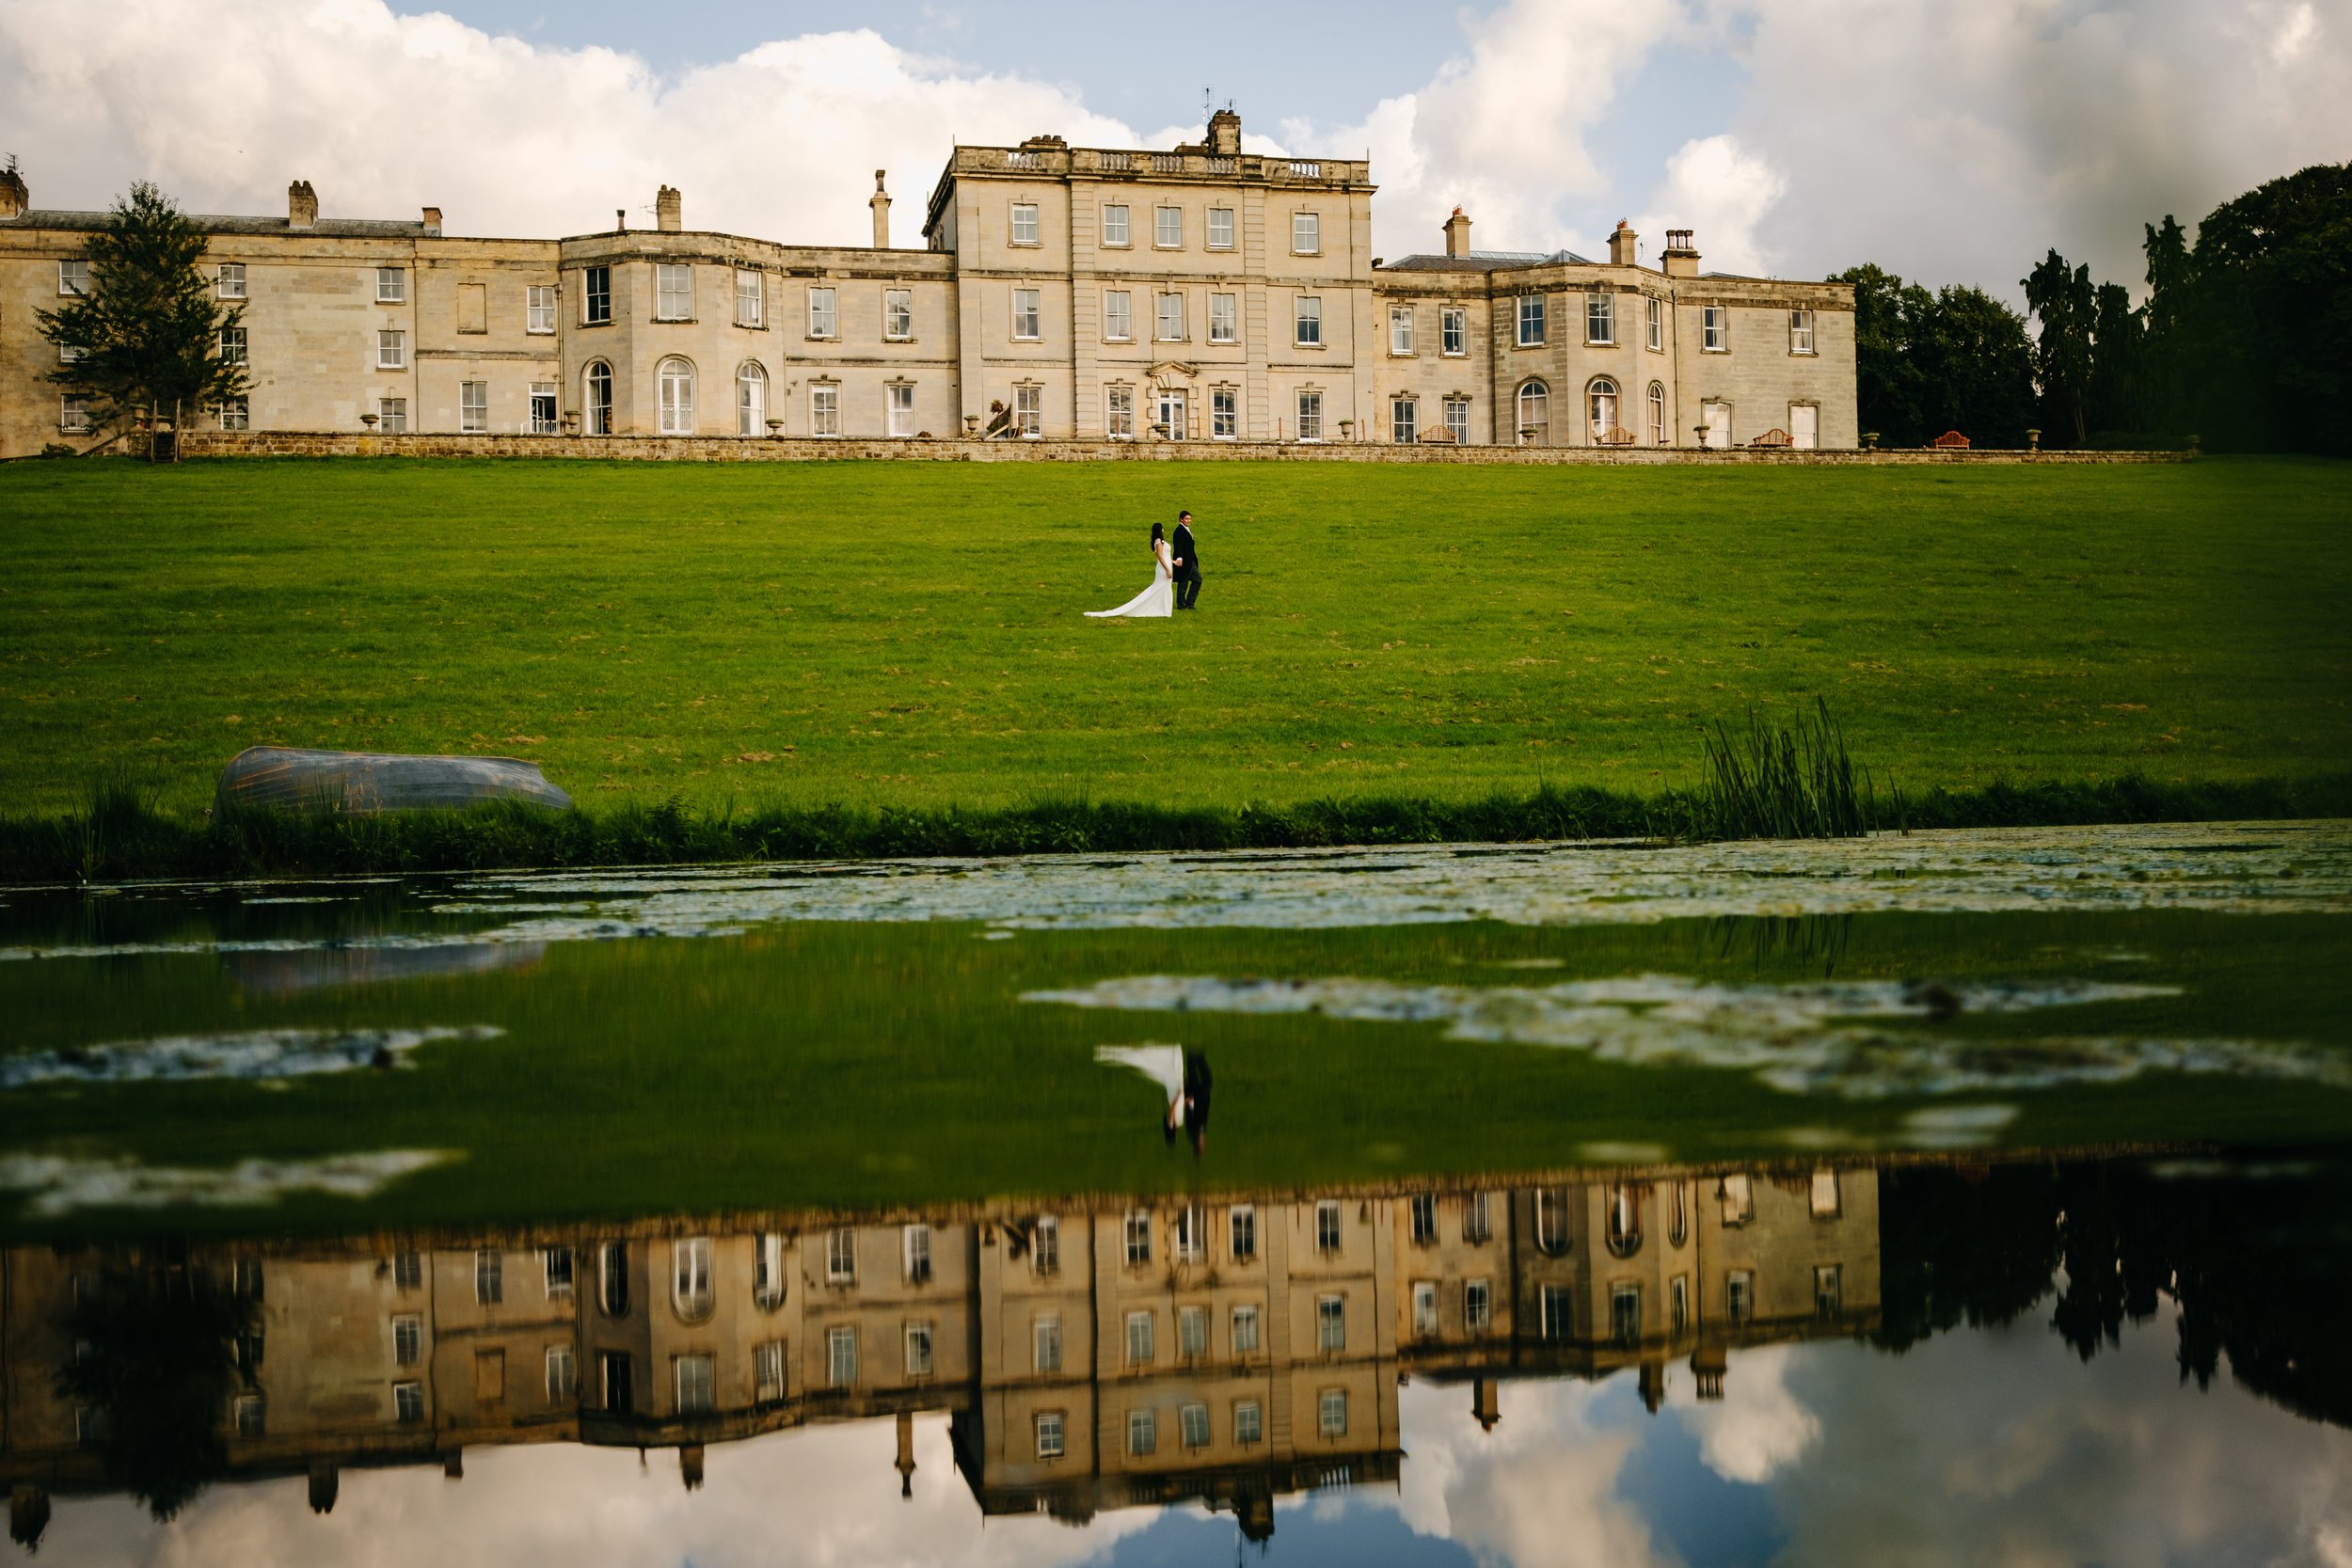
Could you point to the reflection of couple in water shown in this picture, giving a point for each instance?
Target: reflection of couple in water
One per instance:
(1182, 1075)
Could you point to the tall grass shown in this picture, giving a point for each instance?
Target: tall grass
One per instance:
(1785, 780)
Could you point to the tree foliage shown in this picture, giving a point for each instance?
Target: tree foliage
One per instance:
(145, 337)
(1926, 362)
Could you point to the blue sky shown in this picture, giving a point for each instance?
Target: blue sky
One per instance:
(1951, 143)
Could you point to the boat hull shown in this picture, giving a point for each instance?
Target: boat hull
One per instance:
(285, 778)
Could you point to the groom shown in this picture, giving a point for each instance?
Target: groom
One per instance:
(1188, 562)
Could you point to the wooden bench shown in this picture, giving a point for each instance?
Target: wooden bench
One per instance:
(1952, 440)
(1773, 439)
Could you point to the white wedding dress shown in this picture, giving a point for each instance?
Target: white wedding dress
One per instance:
(1158, 599)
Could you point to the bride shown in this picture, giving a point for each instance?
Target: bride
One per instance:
(1158, 599)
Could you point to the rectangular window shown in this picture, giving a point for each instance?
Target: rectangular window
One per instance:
(407, 1339)
(235, 414)
(1738, 1195)
(900, 408)
(1220, 229)
(1310, 417)
(1326, 1220)
(473, 407)
(1404, 429)
(1024, 223)
(1829, 1291)
(1028, 412)
(543, 409)
(1047, 1334)
(1192, 1424)
(822, 322)
(489, 1276)
(1138, 1338)
(1225, 425)
(1458, 425)
(1171, 318)
(1306, 235)
(68, 355)
(1600, 319)
(596, 296)
(1401, 330)
(562, 1374)
(1245, 1330)
(824, 410)
(767, 1270)
(1026, 318)
(1424, 1207)
(392, 415)
(1625, 1314)
(73, 277)
(840, 1256)
(1800, 332)
(233, 345)
(1330, 1323)
(672, 291)
(539, 309)
(1167, 227)
(1224, 319)
(767, 1371)
(1740, 1296)
(897, 315)
(407, 1271)
(392, 351)
(916, 1238)
(407, 1403)
(1189, 1244)
(696, 1393)
(1425, 1308)
(1045, 1246)
(1143, 1432)
(1824, 1203)
(1119, 412)
(1192, 1332)
(1678, 1302)
(750, 299)
(616, 1380)
(1049, 1434)
(1715, 326)
(1654, 325)
(1530, 321)
(919, 1350)
(228, 280)
(1115, 225)
(1309, 322)
(391, 286)
(1553, 1309)
(1332, 1413)
(1477, 1306)
(1453, 330)
(1249, 1422)
(1118, 322)
(841, 1357)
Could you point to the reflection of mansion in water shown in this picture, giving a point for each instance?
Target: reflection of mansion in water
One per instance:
(1228, 1350)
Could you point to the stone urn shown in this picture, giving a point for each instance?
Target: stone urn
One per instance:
(2033, 439)
(971, 426)
(775, 428)
(369, 420)
(1347, 428)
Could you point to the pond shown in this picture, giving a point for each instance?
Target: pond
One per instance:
(1983, 1193)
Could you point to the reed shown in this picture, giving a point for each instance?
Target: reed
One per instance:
(1793, 780)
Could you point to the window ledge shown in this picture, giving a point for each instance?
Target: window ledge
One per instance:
(586, 325)
(821, 338)
(1600, 342)
(1318, 347)
(1803, 353)
(753, 327)
(1402, 353)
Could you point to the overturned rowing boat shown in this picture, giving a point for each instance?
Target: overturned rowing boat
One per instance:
(285, 778)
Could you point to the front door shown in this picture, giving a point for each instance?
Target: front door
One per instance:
(1804, 426)
(1718, 419)
(1171, 413)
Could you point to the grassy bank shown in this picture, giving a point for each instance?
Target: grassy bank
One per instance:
(904, 640)
(122, 836)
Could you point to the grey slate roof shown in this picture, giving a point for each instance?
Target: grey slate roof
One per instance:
(1485, 260)
(331, 228)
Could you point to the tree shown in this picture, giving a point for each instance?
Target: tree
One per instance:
(2063, 301)
(1977, 365)
(147, 334)
(2115, 399)
(1887, 382)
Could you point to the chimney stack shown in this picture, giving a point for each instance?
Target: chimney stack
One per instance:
(879, 203)
(1621, 245)
(15, 197)
(1680, 257)
(1457, 234)
(433, 222)
(669, 210)
(302, 205)
(1225, 132)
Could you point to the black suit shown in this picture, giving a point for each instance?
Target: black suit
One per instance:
(1187, 575)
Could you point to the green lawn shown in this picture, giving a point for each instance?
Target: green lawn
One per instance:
(910, 633)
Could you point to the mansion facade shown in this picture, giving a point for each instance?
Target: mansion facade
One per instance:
(1198, 294)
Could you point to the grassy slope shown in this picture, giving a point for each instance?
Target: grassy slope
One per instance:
(910, 634)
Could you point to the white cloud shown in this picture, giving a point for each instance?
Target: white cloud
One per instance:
(1759, 1428)
(1722, 191)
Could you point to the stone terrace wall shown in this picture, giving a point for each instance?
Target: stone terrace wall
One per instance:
(716, 449)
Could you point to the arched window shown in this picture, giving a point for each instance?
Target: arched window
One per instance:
(690, 1287)
(1535, 414)
(1657, 414)
(750, 398)
(598, 396)
(1677, 1213)
(677, 378)
(1600, 409)
(1551, 1221)
(612, 1278)
(1624, 1219)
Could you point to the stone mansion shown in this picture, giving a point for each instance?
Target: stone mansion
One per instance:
(1199, 295)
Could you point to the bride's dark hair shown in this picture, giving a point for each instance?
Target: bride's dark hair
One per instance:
(1158, 532)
